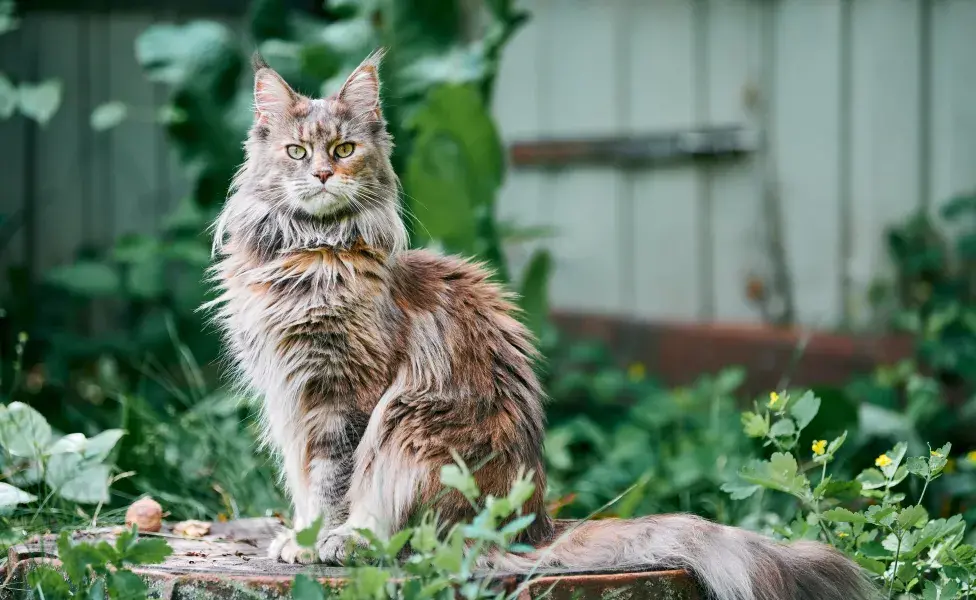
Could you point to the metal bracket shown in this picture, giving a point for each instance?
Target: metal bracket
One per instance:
(698, 144)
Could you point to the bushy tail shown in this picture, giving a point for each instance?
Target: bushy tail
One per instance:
(730, 563)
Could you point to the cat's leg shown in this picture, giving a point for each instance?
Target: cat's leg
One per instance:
(321, 488)
(409, 439)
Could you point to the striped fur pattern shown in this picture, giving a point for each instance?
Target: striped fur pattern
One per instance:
(373, 362)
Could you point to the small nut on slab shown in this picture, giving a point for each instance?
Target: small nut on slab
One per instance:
(192, 528)
(146, 514)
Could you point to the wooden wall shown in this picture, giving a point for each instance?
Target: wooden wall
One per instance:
(867, 109)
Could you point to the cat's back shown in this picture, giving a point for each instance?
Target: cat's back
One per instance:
(462, 324)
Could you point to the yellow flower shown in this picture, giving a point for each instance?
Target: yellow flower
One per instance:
(773, 399)
(842, 534)
(636, 372)
(935, 453)
(882, 461)
(819, 447)
(971, 456)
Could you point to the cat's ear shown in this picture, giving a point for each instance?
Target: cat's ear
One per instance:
(272, 96)
(362, 88)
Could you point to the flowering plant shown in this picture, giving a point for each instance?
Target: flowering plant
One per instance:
(868, 518)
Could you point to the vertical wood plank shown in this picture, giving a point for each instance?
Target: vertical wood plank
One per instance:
(733, 30)
(806, 145)
(14, 63)
(100, 218)
(134, 178)
(582, 90)
(953, 141)
(59, 152)
(886, 136)
(667, 215)
(518, 106)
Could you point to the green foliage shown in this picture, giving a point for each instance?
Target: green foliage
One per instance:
(63, 470)
(97, 571)
(869, 518)
(425, 560)
(935, 292)
(610, 428)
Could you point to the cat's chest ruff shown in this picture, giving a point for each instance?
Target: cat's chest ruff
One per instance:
(308, 309)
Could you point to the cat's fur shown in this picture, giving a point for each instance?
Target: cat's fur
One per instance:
(374, 362)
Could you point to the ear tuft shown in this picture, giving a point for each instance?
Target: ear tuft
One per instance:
(272, 96)
(362, 88)
(258, 62)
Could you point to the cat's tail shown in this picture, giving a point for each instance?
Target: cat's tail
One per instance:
(730, 563)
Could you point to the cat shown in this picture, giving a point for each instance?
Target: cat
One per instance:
(375, 362)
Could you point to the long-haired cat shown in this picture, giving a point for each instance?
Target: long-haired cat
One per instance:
(374, 362)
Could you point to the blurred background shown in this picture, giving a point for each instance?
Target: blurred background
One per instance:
(700, 201)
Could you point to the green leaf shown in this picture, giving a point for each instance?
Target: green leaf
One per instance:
(96, 591)
(782, 428)
(99, 447)
(398, 541)
(305, 588)
(835, 444)
(370, 582)
(521, 491)
(872, 479)
(871, 565)
(307, 537)
(453, 476)
(87, 279)
(77, 558)
(805, 409)
(125, 585)
(738, 490)
(881, 516)
(77, 480)
(842, 515)
(40, 101)
(49, 582)
(840, 490)
(939, 458)
(147, 551)
(534, 292)
(896, 455)
(779, 473)
(24, 432)
(108, 115)
(755, 426)
(918, 466)
(174, 54)
(11, 496)
(913, 516)
(939, 591)
(517, 525)
(454, 169)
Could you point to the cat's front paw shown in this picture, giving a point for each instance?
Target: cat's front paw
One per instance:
(336, 546)
(285, 548)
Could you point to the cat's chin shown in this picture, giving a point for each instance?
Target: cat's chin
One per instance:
(322, 205)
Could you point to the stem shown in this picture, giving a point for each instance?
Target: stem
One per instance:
(924, 487)
(894, 568)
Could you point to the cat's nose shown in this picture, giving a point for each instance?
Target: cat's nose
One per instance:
(322, 175)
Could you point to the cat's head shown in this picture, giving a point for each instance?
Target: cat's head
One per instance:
(323, 158)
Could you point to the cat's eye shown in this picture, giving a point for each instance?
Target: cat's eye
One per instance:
(295, 151)
(344, 150)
